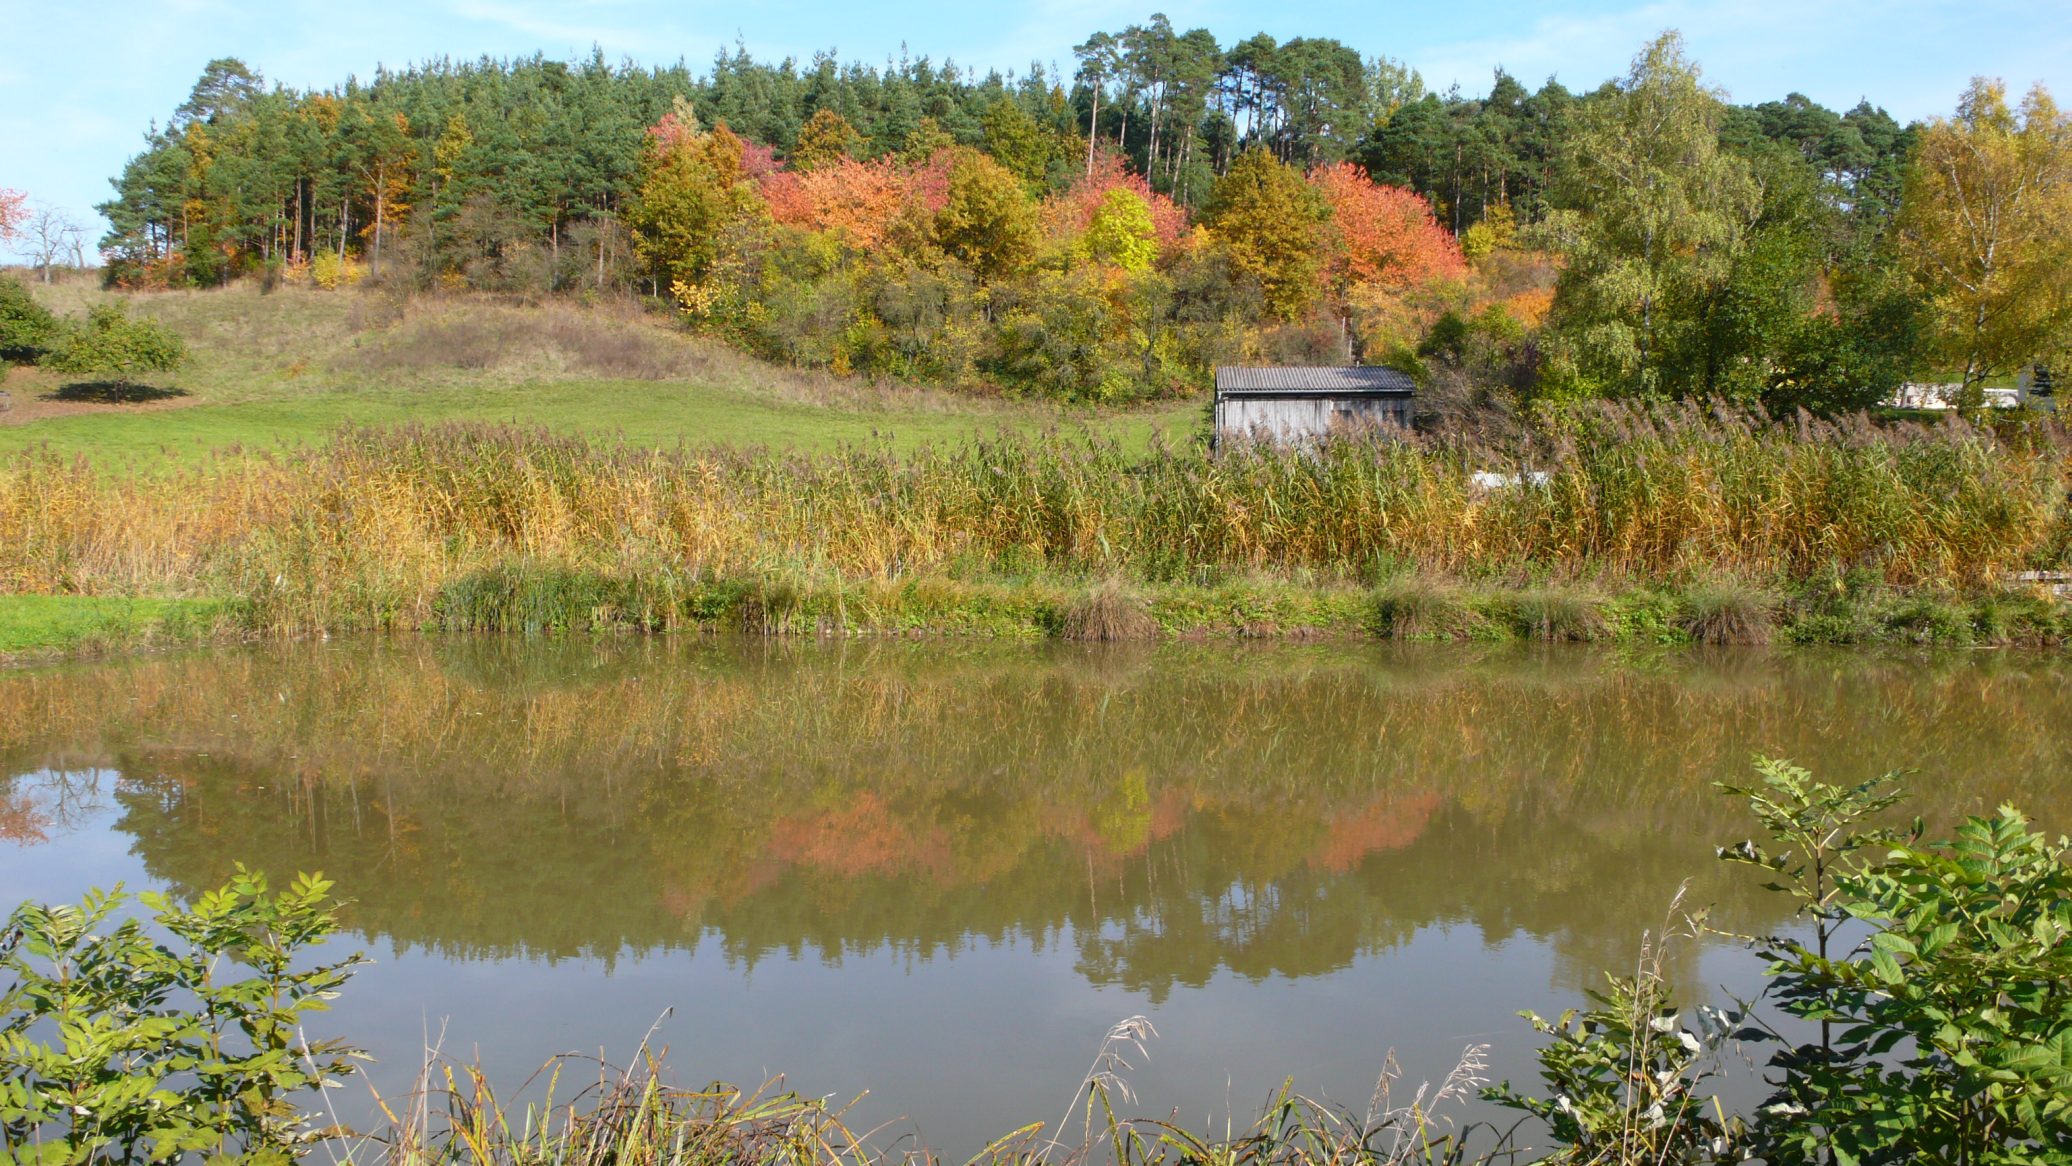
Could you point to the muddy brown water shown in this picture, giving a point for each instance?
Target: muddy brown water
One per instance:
(939, 872)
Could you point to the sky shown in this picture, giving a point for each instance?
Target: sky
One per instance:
(81, 80)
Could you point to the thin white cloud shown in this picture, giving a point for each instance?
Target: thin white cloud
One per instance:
(1907, 55)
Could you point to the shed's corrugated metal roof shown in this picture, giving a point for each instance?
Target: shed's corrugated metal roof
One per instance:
(1312, 380)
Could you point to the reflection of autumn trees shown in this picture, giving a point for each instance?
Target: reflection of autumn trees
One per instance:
(54, 799)
(1172, 813)
(22, 821)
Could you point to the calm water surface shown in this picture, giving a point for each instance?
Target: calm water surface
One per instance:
(939, 872)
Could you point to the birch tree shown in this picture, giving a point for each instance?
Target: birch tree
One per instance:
(1655, 212)
(1986, 229)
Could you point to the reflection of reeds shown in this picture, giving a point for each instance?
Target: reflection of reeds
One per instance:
(470, 526)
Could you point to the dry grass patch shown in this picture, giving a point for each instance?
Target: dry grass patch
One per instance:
(1110, 612)
(1726, 612)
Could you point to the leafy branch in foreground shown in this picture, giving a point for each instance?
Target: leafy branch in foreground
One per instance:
(1627, 1079)
(1945, 1029)
(119, 1045)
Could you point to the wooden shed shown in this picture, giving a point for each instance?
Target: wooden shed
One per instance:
(1304, 404)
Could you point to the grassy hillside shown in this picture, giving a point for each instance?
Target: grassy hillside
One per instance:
(291, 367)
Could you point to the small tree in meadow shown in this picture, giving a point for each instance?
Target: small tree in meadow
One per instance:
(110, 343)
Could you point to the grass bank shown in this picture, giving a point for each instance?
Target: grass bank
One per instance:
(1653, 525)
(33, 626)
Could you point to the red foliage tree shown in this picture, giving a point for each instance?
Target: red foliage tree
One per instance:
(14, 210)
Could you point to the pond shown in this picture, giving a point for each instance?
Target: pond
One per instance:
(939, 871)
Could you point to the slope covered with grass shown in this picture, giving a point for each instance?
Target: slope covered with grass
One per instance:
(291, 367)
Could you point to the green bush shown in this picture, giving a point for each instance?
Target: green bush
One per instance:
(119, 1045)
(1945, 1034)
(1928, 991)
(110, 343)
(26, 327)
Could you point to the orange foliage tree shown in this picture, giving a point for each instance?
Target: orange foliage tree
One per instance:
(855, 200)
(1383, 236)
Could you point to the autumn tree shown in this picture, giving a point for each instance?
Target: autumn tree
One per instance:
(825, 139)
(1122, 232)
(1655, 213)
(988, 221)
(690, 188)
(14, 210)
(1271, 224)
(1986, 228)
(856, 201)
(1383, 236)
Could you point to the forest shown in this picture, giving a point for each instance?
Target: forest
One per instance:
(1113, 231)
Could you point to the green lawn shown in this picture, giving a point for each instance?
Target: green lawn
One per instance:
(644, 412)
(37, 624)
(286, 369)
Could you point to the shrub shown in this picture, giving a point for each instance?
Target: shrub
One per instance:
(330, 272)
(110, 343)
(114, 1045)
(26, 327)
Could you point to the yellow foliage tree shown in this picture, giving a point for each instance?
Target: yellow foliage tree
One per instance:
(1270, 222)
(825, 139)
(1986, 229)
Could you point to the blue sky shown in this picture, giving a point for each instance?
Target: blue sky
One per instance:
(82, 79)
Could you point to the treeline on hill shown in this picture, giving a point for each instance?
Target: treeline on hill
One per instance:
(1114, 234)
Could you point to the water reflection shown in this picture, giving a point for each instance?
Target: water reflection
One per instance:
(1167, 814)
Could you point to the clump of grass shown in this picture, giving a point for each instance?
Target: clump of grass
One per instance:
(1416, 609)
(1727, 612)
(1556, 615)
(1109, 612)
(596, 1115)
(454, 1117)
(1929, 619)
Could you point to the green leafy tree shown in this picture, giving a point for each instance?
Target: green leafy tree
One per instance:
(27, 328)
(1658, 211)
(111, 343)
(1270, 221)
(117, 1046)
(1018, 142)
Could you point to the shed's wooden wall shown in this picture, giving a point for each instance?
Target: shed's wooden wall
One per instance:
(1305, 418)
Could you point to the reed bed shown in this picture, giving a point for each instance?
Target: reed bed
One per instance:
(454, 1116)
(468, 525)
